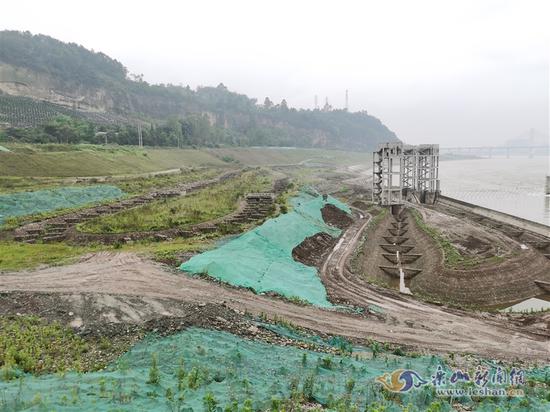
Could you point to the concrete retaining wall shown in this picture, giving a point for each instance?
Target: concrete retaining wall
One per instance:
(519, 222)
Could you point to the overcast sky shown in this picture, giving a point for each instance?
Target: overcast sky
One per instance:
(442, 71)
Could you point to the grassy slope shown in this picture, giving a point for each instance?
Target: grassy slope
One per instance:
(96, 161)
(202, 206)
(24, 256)
(89, 160)
(16, 256)
(281, 156)
(130, 186)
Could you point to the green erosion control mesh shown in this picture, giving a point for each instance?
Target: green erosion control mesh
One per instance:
(233, 369)
(29, 203)
(261, 259)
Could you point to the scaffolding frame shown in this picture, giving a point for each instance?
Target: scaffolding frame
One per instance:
(404, 171)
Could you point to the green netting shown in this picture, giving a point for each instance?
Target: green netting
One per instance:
(261, 259)
(229, 367)
(234, 369)
(28, 203)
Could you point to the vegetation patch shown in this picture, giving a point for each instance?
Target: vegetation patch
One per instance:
(32, 345)
(453, 258)
(94, 160)
(202, 206)
(139, 185)
(17, 256)
(198, 369)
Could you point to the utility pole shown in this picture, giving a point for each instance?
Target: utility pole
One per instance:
(140, 135)
(316, 103)
(347, 106)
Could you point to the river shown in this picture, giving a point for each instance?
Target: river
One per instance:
(514, 186)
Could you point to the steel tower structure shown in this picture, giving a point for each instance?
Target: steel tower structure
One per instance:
(405, 172)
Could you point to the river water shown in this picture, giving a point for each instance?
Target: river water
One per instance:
(514, 186)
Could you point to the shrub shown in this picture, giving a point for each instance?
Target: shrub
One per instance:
(36, 346)
(210, 403)
(308, 388)
(193, 379)
(154, 374)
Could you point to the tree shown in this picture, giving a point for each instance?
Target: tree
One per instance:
(284, 105)
(268, 104)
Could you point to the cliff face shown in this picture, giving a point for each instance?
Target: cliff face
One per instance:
(20, 81)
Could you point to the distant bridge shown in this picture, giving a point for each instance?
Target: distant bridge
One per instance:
(490, 151)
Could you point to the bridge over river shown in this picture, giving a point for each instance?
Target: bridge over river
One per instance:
(490, 151)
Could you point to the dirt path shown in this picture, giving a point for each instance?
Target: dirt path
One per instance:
(108, 178)
(405, 321)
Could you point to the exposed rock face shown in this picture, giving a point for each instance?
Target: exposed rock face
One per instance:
(20, 81)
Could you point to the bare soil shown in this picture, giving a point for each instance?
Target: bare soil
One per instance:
(120, 277)
(336, 217)
(498, 271)
(314, 249)
(491, 283)
(472, 241)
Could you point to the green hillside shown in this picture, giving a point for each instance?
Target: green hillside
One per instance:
(170, 115)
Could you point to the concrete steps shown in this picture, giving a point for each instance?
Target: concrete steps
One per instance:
(25, 237)
(393, 271)
(53, 238)
(395, 239)
(396, 248)
(397, 232)
(405, 258)
(71, 220)
(399, 225)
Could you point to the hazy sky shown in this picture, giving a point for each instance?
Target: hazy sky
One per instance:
(453, 72)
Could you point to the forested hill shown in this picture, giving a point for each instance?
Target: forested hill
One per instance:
(47, 85)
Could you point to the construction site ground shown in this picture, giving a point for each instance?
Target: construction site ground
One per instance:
(125, 295)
